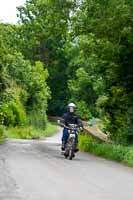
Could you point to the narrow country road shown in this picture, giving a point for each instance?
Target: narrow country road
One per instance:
(35, 170)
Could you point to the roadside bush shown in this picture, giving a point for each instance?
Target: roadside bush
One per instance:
(6, 115)
(31, 132)
(109, 151)
(37, 118)
(12, 114)
(2, 134)
(83, 110)
(23, 133)
(128, 158)
(19, 113)
(85, 142)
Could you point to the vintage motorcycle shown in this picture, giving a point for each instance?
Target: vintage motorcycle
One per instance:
(73, 129)
(69, 152)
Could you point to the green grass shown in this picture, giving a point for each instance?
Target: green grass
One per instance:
(51, 128)
(114, 152)
(31, 132)
(2, 134)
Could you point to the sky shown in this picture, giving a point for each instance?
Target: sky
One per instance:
(8, 10)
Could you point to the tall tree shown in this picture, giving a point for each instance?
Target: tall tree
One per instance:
(45, 25)
(105, 27)
(23, 86)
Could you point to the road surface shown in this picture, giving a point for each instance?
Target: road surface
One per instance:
(35, 170)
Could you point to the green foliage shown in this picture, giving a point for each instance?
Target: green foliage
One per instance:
(128, 158)
(83, 110)
(2, 134)
(51, 128)
(102, 32)
(42, 36)
(31, 132)
(129, 128)
(86, 47)
(32, 78)
(7, 116)
(18, 112)
(23, 85)
(83, 93)
(85, 142)
(12, 114)
(37, 118)
(109, 151)
(23, 133)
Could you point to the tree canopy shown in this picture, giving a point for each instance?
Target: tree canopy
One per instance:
(70, 50)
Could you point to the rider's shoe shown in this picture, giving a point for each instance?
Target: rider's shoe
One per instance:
(63, 146)
(73, 155)
(76, 148)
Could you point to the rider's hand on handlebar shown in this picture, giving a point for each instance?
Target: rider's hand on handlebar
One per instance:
(81, 129)
(65, 126)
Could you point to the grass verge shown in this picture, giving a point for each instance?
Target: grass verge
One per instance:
(31, 132)
(114, 152)
(2, 134)
(51, 129)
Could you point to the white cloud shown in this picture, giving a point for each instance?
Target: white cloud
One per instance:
(8, 10)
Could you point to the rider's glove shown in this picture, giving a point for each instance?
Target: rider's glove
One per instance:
(81, 129)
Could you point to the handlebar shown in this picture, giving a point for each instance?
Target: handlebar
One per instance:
(70, 126)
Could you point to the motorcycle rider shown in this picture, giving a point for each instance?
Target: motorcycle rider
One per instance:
(70, 118)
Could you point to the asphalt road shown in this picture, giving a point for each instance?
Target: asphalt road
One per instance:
(35, 170)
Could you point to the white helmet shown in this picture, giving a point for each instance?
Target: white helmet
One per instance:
(71, 105)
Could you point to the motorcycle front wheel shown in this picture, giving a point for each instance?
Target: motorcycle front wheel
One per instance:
(71, 154)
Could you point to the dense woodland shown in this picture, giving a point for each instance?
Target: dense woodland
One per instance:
(69, 50)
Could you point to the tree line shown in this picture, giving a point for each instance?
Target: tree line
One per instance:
(69, 50)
